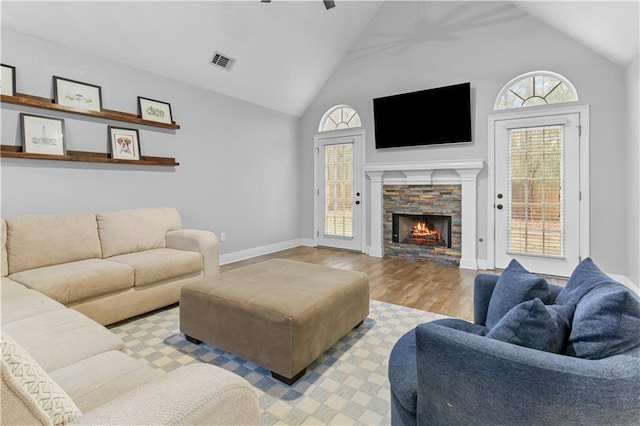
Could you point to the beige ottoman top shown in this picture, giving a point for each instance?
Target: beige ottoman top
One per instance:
(281, 285)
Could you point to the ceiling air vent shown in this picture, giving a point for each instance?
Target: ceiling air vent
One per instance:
(222, 61)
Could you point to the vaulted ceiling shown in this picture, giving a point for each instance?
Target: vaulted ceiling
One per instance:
(285, 50)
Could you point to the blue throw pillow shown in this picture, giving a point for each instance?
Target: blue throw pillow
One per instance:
(515, 285)
(535, 325)
(584, 278)
(607, 316)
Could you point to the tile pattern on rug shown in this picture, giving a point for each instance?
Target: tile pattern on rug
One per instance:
(346, 385)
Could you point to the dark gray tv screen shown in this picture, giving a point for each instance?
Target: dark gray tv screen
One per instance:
(427, 117)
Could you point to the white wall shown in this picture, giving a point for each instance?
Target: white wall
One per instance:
(238, 170)
(633, 171)
(487, 44)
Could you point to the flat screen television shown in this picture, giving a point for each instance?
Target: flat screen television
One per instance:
(427, 117)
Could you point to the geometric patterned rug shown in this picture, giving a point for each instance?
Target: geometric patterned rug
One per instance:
(347, 385)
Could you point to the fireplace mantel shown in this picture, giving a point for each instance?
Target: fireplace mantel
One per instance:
(462, 172)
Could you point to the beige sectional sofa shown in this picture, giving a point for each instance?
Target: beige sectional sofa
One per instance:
(60, 365)
(110, 266)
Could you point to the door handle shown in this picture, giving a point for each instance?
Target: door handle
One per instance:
(358, 202)
(499, 206)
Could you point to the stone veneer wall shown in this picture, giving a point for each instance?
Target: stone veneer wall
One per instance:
(423, 199)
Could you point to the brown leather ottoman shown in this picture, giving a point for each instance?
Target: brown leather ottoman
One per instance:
(280, 314)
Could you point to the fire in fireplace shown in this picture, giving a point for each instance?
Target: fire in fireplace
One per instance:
(424, 229)
(422, 234)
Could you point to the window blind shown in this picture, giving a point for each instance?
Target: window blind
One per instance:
(536, 201)
(338, 208)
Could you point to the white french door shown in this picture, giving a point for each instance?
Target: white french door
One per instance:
(339, 190)
(537, 191)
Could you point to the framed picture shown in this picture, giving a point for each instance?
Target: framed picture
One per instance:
(8, 80)
(77, 94)
(153, 110)
(42, 135)
(124, 143)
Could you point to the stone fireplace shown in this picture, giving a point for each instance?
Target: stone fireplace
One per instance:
(429, 189)
(422, 221)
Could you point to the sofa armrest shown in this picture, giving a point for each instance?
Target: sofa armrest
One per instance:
(482, 291)
(469, 379)
(193, 394)
(203, 242)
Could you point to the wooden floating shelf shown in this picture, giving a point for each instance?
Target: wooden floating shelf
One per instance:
(12, 151)
(46, 103)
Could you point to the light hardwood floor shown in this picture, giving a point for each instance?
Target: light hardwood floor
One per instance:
(420, 284)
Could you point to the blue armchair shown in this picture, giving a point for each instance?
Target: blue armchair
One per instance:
(441, 375)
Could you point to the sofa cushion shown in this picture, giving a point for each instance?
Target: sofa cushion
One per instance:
(74, 281)
(606, 323)
(462, 325)
(41, 395)
(194, 394)
(43, 240)
(11, 288)
(515, 285)
(97, 380)
(607, 317)
(152, 266)
(60, 338)
(535, 325)
(4, 267)
(19, 302)
(583, 279)
(129, 231)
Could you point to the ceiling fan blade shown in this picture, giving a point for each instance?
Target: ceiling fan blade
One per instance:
(329, 4)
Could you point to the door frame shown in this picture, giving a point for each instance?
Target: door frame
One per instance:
(358, 132)
(584, 248)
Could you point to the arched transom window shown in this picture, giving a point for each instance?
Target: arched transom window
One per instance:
(536, 88)
(339, 117)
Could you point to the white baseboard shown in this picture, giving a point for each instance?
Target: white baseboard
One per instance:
(468, 264)
(374, 252)
(237, 256)
(473, 264)
(307, 242)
